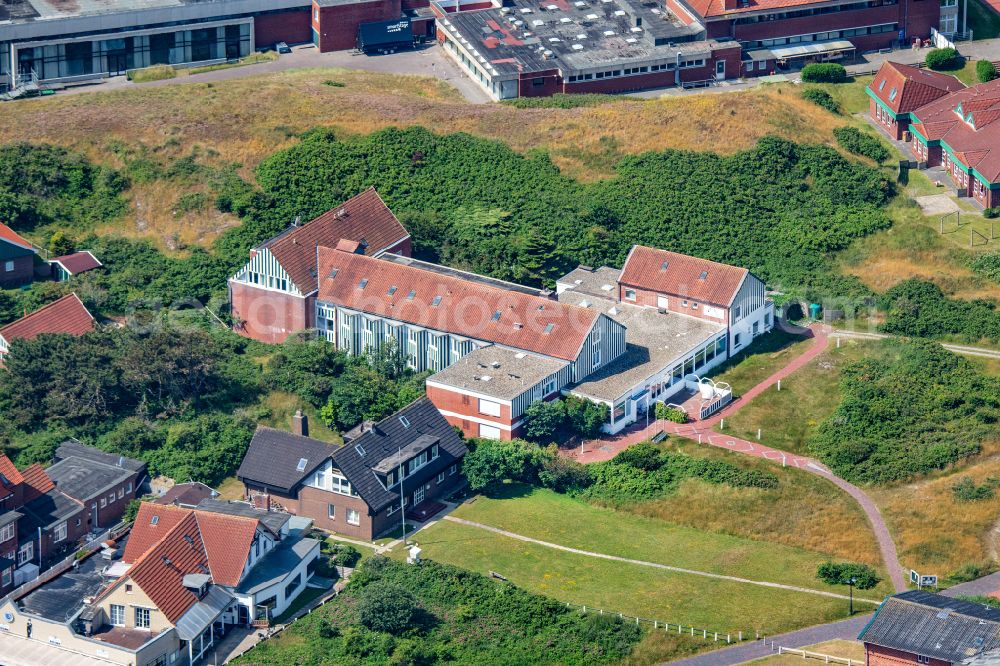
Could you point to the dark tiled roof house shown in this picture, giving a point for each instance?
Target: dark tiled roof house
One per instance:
(355, 490)
(274, 294)
(919, 627)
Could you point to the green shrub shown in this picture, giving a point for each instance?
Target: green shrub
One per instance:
(61, 243)
(562, 101)
(674, 414)
(985, 71)
(860, 143)
(970, 572)
(386, 608)
(992, 213)
(491, 461)
(345, 555)
(822, 98)
(966, 490)
(154, 73)
(333, 84)
(919, 308)
(560, 419)
(980, 600)
(987, 265)
(824, 72)
(191, 202)
(841, 574)
(563, 475)
(943, 59)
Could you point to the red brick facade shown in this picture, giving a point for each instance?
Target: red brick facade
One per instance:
(291, 27)
(886, 121)
(268, 315)
(675, 303)
(335, 28)
(462, 411)
(22, 271)
(876, 655)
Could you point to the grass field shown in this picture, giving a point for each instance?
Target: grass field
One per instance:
(766, 355)
(804, 511)
(789, 417)
(548, 516)
(836, 648)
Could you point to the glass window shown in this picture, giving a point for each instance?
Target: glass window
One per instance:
(59, 533)
(353, 517)
(117, 615)
(488, 431)
(331, 511)
(7, 532)
(630, 294)
(142, 618)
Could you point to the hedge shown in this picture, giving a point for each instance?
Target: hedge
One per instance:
(822, 98)
(855, 141)
(942, 59)
(824, 72)
(985, 71)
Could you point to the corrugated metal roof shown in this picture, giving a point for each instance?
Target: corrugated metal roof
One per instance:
(199, 616)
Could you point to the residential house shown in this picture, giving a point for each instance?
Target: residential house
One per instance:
(17, 259)
(69, 265)
(435, 316)
(898, 90)
(187, 495)
(103, 482)
(183, 577)
(401, 464)
(918, 627)
(67, 315)
(274, 294)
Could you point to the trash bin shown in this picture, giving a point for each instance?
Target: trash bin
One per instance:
(814, 310)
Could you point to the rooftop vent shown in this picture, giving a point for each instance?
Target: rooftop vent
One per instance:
(495, 364)
(342, 213)
(585, 303)
(521, 354)
(518, 325)
(577, 47)
(482, 378)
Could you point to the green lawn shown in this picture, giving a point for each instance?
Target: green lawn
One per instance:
(548, 516)
(768, 354)
(788, 418)
(662, 595)
(308, 595)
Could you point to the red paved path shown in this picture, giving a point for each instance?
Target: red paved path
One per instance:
(701, 432)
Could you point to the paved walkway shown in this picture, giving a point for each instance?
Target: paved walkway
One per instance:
(702, 432)
(657, 565)
(738, 654)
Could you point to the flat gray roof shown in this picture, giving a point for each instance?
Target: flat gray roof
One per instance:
(497, 372)
(83, 479)
(276, 565)
(655, 341)
(601, 282)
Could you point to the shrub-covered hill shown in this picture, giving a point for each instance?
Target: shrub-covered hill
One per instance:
(393, 613)
(777, 209)
(910, 409)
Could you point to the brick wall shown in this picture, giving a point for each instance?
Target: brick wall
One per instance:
(269, 316)
(467, 407)
(539, 84)
(881, 656)
(337, 26)
(111, 512)
(314, 503)
(675, 303)
(291, 27)
(23, 272)
(404, 248)
(887, 122)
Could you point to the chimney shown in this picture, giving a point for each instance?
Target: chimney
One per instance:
(300, 424)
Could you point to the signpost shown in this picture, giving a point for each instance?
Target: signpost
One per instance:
(923, 581)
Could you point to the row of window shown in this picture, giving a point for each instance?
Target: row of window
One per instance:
(632, 71)
(353, 515)
(418, 494)
(269, 281)
(821, 36)
(412, 465)
(142, 615)
(780, 16)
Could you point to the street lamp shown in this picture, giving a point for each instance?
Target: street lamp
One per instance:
(851, 583)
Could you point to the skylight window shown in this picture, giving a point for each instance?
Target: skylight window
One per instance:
(437, 301)
(333, 273)
(496, 316)
(363, 283)
(154, 520)
(405, 421)
(392, 290)
(410, 296)
(548, 328)
(664, 265)
(302, 465)
(892, 94)
(704, 274)
(881, 84)
(360, 449)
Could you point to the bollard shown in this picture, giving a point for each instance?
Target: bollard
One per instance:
(716, 637)
(637, 622)
(838, 342)
(722, 424)
(741, 637)
(727, 638)
(692, 631)
(704, 633)
(699, 438)
(758, 434)
(654, 625)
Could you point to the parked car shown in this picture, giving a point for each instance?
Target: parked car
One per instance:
(282, 47)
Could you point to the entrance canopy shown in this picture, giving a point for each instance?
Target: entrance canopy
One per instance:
(807, 49)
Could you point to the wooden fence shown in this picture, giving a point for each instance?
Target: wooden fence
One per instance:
(676, 627)
(827, 658)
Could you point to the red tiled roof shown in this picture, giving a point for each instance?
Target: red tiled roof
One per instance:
(186, 493)
(465, 308)
(160, 571)
(67, 315)
(914, 87)
(364, 219)
(227, 540)
(36, 482)
(680, 274)
(145, 533)
(78, 262)
(11, 236)
(10, 472)
(977, 145)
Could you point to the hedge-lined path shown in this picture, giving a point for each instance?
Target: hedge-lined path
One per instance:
(701, 432)
(656, 565)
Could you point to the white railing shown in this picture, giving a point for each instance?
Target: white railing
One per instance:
(826, 658)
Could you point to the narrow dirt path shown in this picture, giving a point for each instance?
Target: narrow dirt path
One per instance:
(656, 565)
(701, 432)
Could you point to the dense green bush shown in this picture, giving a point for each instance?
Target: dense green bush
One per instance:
(911, 408)
(824, 72)
(992, 213)
(478, 205)
(985, 71)
(345, 555)
(673, 414)
(371, 387)
(987, 265)
(969, 572)
(919, 308)
(490, 461)
(821, 98)
(563, 475)
(966, 490)
(855, 141)
(943, 59)
(563, 101)
(842, 573)
(385, 607)
(558, 420)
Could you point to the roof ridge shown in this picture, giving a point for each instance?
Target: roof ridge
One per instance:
(47, 306)
(208, 560)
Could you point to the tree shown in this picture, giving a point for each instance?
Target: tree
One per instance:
(824, 72)
(985, 71)
(386, 607)
(544, 420)
(584, 417)
(61, 243)
(842, 573)
(490, 461)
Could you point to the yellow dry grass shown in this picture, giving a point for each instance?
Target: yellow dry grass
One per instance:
(934, 532)
(231, 489)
